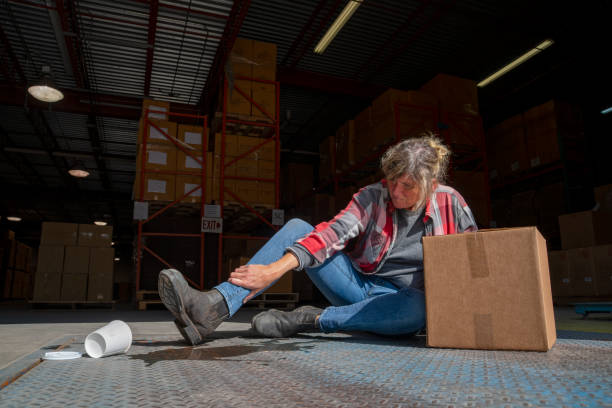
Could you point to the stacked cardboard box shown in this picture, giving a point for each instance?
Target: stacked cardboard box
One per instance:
(75, 263)
(472, 186)
(162, 154)
(257, 164)
(327, 157)
(256, 60)
(506, 153)
(15, 267)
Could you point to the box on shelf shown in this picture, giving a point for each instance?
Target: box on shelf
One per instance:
(266, 169)
(506, 147)
(76, 260)
(472, 187)
(95, 235)
(585, 229)
(264, 58)
(384, 106)
(560, 279)
(453, 93)
(231, 145)
(265, 151)
(74, 287)
(194, 136)
(157, 109)
(159, 157)
(154, 135)
(491, 270)
(264, 95)
(602, 261)
(59, 233)
(582, 271)
(185, 184)
(345, 146)
(157, 187)
(185, 162)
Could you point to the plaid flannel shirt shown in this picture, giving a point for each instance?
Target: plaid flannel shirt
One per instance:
(366, 229)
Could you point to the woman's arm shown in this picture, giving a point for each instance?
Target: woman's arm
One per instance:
(257, 277)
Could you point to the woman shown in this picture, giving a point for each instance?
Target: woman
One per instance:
(367, 261)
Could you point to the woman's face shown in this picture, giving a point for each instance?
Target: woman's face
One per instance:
(404, 192)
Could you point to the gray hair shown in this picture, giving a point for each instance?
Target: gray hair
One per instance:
(424, 158)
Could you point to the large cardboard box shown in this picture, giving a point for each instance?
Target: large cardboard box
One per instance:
(266, 169)
(47, 286)
(582, 272)
(50, 259)
(585, 229)
(185, 184)
(76, 260)
(157, 109)
(154, 136)
(241, 57)
(231, 145)
(101, 261)
(159, 157)
(237, 103)
(95, 235)
(157, 187)
(345, 146)
(194, 136)
(384, 105)
(59, 233)
(489, 290)
(560, 273)
(100, 286)
(472, 187)
(602, 260)
(265, 151)
(454, 94)
(264, 58)
(185, 162)
(264, 95)
(74, 287)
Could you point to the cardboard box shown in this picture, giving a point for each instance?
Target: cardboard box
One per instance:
(154, 136)
(51, 259)
(157, 187)
(59, 233)
(245, 168)
(76, 260)
(100, 287)
(241, 57)
(22, 256)
(602, 260)
(464, 131)
(95, 235)
(157, 109)
(453, 93)
(412, 124)
(472, 187)
(6, 234)
(560, 273)
(184, 184)
(101, 261)
(264, 58)
(506, 147)
(498, 295)
(585, 229)
(247, 190)
(345, 146)
(231, 145)
(230, 170)
(184, 162)
(74, 287)
(384, 106)
(283, 285)
(266, 193)
(159, 157)
(47, 286)
(236, 101)
(264, 95)
(582, 272)
(265, 151)
(266, 169)
(194, 136)
(228, 185)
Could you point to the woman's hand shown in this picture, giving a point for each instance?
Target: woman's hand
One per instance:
(257, 277)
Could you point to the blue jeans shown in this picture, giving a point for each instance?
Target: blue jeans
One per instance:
(360, 302)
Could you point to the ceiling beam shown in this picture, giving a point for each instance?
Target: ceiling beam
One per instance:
(68, 39)
(152, 29)
(80, 101)
(217, 69)
(303, 31)
(13, 58)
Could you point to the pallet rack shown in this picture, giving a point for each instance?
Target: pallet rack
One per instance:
(270, 122)
(202, 187)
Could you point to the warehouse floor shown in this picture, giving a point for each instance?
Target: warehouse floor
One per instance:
(237, 369)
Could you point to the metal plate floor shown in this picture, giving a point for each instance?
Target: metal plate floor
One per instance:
(340, 370)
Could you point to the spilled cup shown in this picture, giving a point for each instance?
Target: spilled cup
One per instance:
(114, 338)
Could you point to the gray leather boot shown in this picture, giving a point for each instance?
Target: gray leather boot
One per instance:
(276, 323)
(197, 313)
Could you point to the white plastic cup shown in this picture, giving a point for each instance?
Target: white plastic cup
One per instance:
(114, 338)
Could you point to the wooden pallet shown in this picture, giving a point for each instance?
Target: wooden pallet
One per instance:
(147, 298)
(73, 304)
(241, 128)
(283, 301)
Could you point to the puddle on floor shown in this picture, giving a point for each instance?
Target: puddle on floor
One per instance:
(230, 353)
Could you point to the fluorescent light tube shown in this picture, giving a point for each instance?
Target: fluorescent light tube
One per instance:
(607, 110)
(539, 48)
(337, 25)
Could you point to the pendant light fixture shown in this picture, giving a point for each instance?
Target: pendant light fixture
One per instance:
(45, 90)
(78, 170)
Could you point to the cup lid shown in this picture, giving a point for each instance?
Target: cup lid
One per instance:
(61, 355)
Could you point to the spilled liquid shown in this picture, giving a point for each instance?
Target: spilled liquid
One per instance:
(228, 353)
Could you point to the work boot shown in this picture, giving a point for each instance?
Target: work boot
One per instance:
(197, 313)
(276, 323)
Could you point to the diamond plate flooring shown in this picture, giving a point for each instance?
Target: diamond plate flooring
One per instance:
(235, 369)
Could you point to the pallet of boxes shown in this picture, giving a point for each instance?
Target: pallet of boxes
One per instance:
(582, 270)
(75, 264)
(16, 266)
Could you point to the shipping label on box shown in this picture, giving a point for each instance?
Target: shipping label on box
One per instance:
(497, 285)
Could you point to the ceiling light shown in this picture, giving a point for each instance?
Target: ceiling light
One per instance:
(116, 259)
(607, 110)
(14, 219)
(100, 223)
(78, 170)
(113, 243)
(538, 49)
(45, 90)
(337, 25)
